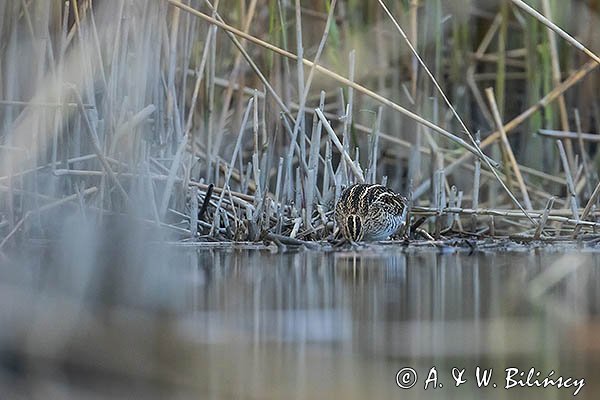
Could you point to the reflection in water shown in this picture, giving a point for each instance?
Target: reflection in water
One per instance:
(251, 324)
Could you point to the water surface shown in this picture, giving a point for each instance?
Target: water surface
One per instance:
(186, 323)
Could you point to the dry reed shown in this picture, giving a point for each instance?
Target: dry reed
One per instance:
(140, 110)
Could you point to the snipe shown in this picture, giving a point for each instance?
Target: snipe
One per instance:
(370, 212)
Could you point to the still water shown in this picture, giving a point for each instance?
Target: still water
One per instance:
(173, 322)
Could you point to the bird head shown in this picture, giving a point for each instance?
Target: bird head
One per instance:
(354, 231)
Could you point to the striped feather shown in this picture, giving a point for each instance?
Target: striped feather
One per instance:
(369, 212)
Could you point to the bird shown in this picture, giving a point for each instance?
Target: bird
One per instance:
(370, 212)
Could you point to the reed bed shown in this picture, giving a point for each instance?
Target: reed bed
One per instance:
(243, 121)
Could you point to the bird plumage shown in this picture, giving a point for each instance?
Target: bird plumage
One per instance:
(366, 212)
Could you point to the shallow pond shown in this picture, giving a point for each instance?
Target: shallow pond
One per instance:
(187, 323)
